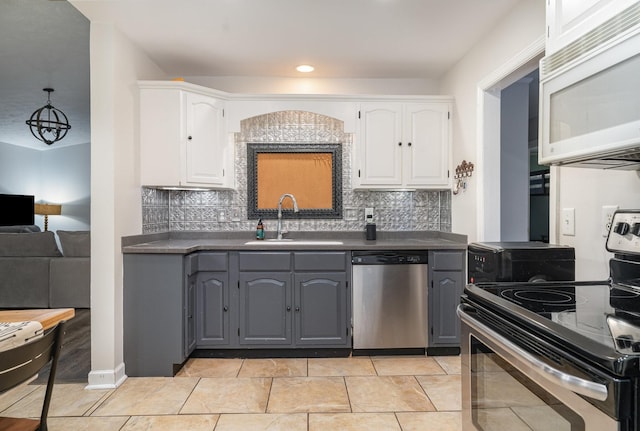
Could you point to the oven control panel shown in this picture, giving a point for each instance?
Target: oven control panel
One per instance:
(624, 234)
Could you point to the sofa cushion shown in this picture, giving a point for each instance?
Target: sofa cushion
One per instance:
(40, 244)
(20, 228)
(75, 243)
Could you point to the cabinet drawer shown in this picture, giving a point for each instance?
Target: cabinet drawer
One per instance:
(314, 261)
(265, 261)
(212, 261)
(446, 261)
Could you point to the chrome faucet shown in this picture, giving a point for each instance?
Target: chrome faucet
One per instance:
(295, 209)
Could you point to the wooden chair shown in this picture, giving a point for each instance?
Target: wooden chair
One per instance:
(20, 364)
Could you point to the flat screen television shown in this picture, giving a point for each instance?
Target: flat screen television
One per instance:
(16, 210)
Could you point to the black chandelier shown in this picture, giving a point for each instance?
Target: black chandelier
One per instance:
(48, 124)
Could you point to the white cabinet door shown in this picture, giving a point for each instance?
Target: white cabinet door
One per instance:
(380, 145)
(402, 145)
(205, 146)
(426, 152)
(183, 139)
(567, 20)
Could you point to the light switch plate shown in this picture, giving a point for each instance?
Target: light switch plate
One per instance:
(568, 221)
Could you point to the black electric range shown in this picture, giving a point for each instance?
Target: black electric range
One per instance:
(587, 332)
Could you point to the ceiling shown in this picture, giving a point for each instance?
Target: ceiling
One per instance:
(48, 44)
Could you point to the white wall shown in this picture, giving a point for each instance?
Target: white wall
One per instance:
(587, 190)
(19, 170)
(57, 175)
(250, 85)
(116, 65)
(519, 29)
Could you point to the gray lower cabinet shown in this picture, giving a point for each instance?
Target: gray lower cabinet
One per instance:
(446, 275)
(213, 300)
(213, 309)
(265, 308)
(158, 300)
(301, 301)
(321, 309)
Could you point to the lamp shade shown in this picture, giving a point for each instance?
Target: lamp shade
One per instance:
(48, 209)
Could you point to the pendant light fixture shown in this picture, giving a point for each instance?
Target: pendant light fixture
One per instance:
(48, 124)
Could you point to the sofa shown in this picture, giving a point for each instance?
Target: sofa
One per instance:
(36, 273)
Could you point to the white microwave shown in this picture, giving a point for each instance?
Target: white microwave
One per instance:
(590, 99)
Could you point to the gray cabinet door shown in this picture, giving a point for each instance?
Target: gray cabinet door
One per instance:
(190, 315)
(265, 308)
(213, 321)
(446, 288)
(321, 308)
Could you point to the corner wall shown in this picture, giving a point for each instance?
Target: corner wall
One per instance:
(519, 29)
(116, 65)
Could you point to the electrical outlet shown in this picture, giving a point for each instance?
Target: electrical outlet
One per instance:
(368, 215)
(607, 218)
(221, 217)
(235, 214)
(568, 221)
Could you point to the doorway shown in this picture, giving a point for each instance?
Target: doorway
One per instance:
(507, 205)
(524, 184)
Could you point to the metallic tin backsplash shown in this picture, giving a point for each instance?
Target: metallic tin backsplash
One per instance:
(225, 210)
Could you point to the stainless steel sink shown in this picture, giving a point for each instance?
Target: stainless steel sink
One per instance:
(288, 241)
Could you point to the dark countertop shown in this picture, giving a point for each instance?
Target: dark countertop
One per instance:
(188, 242)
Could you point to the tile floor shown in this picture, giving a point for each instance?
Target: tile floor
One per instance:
(400, 393)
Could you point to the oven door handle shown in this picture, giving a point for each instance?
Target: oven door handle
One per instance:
(575, 384)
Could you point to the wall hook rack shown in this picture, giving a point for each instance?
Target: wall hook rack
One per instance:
(463, 170)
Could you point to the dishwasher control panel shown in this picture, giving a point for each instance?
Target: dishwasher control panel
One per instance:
(389, 257)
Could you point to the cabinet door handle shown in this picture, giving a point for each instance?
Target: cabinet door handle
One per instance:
(399, 144)
(409, 143)
(226, 308)
(288, 308)
(297, 308)
(189, 137)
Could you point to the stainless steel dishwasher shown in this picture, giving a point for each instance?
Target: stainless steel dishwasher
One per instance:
(389, 299)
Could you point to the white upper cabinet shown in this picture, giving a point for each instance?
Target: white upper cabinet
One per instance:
(402, 145)
(183, 142)
(568, 20)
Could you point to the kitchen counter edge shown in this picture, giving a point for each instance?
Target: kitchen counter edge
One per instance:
(189, 242)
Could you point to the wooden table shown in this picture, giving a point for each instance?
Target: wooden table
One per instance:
(48, 317)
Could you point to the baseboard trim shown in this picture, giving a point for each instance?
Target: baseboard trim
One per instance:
(106, 379)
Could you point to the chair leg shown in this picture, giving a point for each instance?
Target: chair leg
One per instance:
(52, 376)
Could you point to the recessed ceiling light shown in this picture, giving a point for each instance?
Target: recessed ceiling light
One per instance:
(304, 68)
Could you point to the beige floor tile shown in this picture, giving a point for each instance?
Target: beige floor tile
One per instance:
(148, 396)
(387, 394)
(87, 423)
(451, 364)
(281, 367)
(262, 422)
(406, 366)
(308, 394)
(171, 423)
(353, 366)
(443, 391)
(431, 421)
(353, 422)
(210, 367)
(7, 399)
(228, 395)
(67, 400)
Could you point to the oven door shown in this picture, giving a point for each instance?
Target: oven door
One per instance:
(505, 387)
